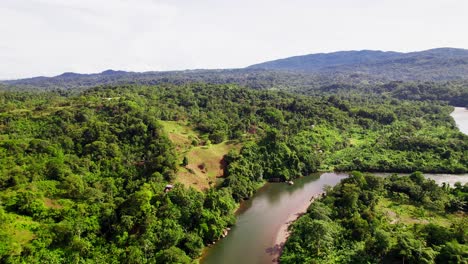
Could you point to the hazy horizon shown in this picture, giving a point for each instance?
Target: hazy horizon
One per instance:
(49, 37)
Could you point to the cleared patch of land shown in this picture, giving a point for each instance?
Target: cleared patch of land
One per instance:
(180, 134)
(18, 230)
(410, 214)
(205, 163)
(50, 203)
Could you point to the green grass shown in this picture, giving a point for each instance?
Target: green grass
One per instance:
(410, 214)
(18, 231)
(180, 134)
(205, 162)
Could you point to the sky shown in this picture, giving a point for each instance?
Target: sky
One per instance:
(49, 37)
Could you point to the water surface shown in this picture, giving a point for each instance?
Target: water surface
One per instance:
(439, 178)
(461, 118)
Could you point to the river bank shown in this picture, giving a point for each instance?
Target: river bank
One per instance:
(284, 233)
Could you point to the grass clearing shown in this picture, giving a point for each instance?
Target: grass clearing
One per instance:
(410, 214)
(19, 228)
(51, 203)
(356, 142)
(205, 164)
(180, 134)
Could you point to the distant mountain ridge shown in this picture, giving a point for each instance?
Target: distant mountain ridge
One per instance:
(350, 67)
(318, 61)
(434, 64)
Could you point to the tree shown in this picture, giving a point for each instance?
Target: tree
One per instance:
(412, 250)
(453, 252)
(380, 243)
(185, 161)
(317, 236)
(172, 255)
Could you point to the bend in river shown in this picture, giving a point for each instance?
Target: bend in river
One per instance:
(262, 220)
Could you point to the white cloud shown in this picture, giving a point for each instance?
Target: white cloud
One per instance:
(48, 37)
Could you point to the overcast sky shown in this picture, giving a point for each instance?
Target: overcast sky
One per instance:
(48, 37)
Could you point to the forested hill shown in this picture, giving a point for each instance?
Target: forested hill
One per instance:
(434, 64)
(452, 92)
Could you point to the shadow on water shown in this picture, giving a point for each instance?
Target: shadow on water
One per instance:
(275, 252)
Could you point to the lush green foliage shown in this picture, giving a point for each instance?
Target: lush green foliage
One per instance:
(82, 177)
(353, 223)
(426, 81)
(83, 180)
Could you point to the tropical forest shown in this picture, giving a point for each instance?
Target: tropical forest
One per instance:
(85, 174)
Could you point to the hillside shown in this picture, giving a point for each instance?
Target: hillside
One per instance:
(318, 61)
(434, 64)
(252, 78)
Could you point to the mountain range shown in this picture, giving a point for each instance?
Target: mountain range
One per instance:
(433, 64)
(441, 64)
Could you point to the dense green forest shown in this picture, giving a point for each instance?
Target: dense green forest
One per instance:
(83, 175)
(452, 91)
(84, 181)
(370, 219)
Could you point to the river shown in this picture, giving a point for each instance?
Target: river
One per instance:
(262, 221)
(461, 118)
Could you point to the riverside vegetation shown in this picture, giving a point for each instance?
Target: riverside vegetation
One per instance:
(369, 219)
(82, 176)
